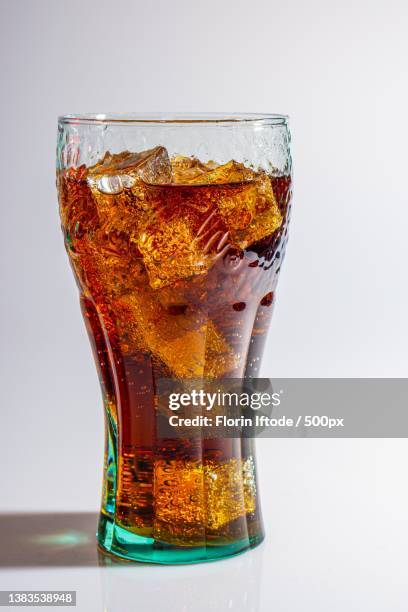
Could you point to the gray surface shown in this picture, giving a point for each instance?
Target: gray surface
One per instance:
(336, 509)
(336, 519)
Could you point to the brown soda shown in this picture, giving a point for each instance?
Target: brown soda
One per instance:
(177, 270)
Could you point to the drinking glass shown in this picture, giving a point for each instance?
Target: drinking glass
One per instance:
(175, 228)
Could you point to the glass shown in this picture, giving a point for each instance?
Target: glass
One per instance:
(176, 229)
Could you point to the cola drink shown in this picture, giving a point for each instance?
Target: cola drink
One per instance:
(176, 260)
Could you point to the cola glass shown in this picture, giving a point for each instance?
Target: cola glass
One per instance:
(175, 228)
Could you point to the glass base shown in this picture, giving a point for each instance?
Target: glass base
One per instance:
(122, 543)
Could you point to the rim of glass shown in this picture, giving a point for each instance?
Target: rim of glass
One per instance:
(161, 119)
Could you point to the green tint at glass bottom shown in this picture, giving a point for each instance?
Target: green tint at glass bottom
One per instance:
(122, 543)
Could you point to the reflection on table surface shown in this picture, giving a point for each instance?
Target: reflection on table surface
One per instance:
(58, 551)
(233, 584)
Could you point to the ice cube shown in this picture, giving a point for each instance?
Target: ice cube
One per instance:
(181, 238)
(250, 211)
(114, 184)
(232, 172)
(120, 186)
(186, 341)
(111, 185)
(193, 223)
(201, 497)
(153, 165)
(187, 169)
(171, 252)
(126, 174)
(245, 202)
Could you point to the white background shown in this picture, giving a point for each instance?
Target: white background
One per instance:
(339, 69)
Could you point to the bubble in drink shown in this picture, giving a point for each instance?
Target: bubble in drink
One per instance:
(171, 247)
(210, 495)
